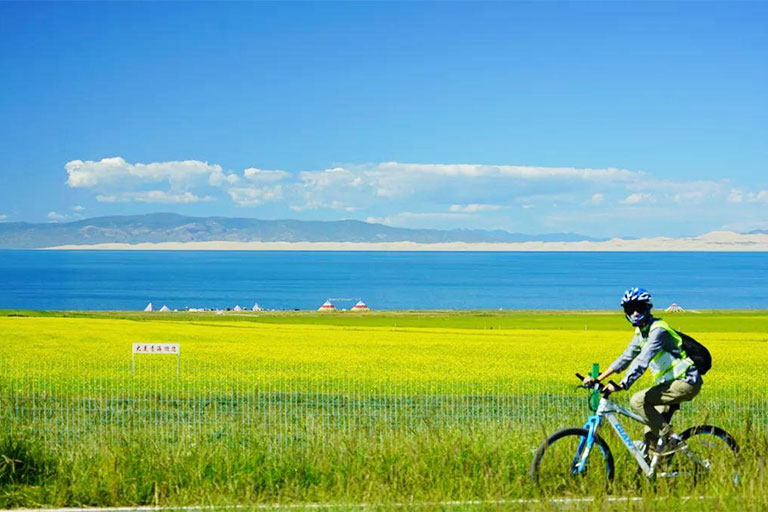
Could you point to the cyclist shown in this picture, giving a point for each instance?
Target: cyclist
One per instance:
(657, 346)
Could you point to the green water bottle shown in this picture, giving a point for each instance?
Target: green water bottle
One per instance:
(594, 396)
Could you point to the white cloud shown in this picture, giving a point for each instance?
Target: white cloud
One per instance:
(545, 198)
(739, 196)
(689, 192)
(460, 184)
(637, 198)
(251, 196)
(331, 205)
(56, 217)
(431, 215)
(220, 179)
(180, 175)
(474, 207)
(735, 196)
(693, 191)
(481, 194)
(77, 208)
(261, 176)
(3, 217)
(337, 189)
(406, 218)
(509, 171)
(153, 196)
(394, 179)
(468, 188)
(90, 173)
(334, 178)
(116, 180)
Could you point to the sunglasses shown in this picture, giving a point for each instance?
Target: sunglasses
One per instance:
(631, 307)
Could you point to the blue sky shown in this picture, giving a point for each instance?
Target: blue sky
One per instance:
(608, 119)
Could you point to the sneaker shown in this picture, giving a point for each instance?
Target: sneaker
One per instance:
(670, 444)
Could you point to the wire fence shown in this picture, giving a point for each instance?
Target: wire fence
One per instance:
(70, 399)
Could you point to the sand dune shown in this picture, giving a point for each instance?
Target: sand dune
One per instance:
(714, 241)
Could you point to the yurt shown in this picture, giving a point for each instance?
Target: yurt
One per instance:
(327, 306)
(674, 308)
(360, 306)
(256, 307)
(237, 308)
(150, 308)
(164, 309)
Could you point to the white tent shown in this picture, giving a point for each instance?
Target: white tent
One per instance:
(327, 306)
(674, 308)
(360, 306)
(256, 307)
(150, 308)
(237, 308)
(164, 309)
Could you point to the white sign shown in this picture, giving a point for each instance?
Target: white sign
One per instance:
(156, 348)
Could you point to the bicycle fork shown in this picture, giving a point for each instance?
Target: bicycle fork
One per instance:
(579, 463)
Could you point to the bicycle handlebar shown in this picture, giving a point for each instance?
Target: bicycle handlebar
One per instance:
(600, 388)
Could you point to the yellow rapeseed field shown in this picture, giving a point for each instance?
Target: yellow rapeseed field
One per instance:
(323, 357)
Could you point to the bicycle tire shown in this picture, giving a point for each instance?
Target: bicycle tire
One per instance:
(727, 445)
(566, 433)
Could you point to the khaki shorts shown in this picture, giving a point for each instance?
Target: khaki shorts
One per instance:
(653, 402)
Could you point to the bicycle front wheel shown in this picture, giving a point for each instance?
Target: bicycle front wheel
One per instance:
(712, 453)
(566, 461)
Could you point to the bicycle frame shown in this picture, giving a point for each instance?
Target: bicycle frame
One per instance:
(609, 410)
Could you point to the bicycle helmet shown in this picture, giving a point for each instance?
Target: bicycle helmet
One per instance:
(637, 305)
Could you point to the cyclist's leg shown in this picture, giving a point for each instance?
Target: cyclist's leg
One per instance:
(638, 404)
(670, 411)
(656, 402)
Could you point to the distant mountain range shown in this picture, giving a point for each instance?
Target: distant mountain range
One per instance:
(171, 227)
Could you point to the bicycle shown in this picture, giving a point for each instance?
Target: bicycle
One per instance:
(703, 449)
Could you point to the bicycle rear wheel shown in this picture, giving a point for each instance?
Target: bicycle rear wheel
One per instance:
(712, 453)
(555, 466)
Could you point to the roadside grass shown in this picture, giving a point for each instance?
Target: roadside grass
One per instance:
(451, 464)
(487, 464)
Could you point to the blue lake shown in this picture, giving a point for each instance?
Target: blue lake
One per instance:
(128, 280)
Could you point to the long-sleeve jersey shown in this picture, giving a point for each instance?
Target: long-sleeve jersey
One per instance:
(637, 356)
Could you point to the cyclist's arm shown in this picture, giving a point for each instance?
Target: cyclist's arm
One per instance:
(607, 373)
(630, 353)
(622, 362)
